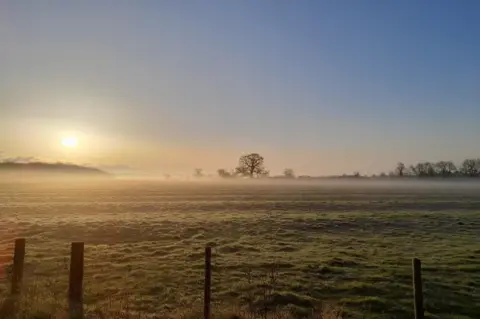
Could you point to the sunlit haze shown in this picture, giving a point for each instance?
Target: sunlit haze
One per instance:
(70, 142)
(323, 87)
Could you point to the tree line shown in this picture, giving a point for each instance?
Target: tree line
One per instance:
(253, 166)
(468, 168)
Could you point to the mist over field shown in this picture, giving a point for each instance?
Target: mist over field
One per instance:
(339, 242)
(312, 149)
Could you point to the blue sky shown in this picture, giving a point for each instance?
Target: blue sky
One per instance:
(321, 86)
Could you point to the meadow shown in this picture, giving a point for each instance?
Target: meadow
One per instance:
(289, 246)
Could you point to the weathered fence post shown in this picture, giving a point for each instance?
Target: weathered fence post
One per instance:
(208, 283)
(417, 288)
(18, 262)
(75, 288)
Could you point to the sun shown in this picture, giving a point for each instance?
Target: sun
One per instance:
(70, 142)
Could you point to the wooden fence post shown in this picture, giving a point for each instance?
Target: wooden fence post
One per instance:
(208, 283)
(75, 288)
(18, 262)
(417, 288)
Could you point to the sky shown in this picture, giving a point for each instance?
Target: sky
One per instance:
(324, 87)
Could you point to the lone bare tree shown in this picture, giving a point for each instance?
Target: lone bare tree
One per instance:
(251, 165)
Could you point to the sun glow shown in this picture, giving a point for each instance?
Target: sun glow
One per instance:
(70, 142)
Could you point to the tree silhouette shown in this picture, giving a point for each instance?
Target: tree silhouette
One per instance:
(289, 173)
(413, 169)
(400, 169)
(430, 167)
(471, 167)
(445, 168)
(251, 165)
(264, 173)
(223, 173)
(423, 169)
(198, 172)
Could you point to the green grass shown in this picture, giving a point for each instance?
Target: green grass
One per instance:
(350, 246)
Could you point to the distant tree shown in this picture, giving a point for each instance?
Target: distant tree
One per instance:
(198, 172)
(471, 167)
(166, 176)
(382, 174)
(451, 168)
(264, 174)
(289, 173)
(430, 167)
(445, 168)
(241, 171)
(423, 169)
(356, 174)
(413, 170)
(400, 170)
(251, 165)
(440, 168)
(223, 173)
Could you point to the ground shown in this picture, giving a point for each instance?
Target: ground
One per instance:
(294, 246)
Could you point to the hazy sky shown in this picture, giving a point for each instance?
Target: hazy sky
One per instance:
(320, 86)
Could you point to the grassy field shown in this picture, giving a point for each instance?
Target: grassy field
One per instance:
(291, 246)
